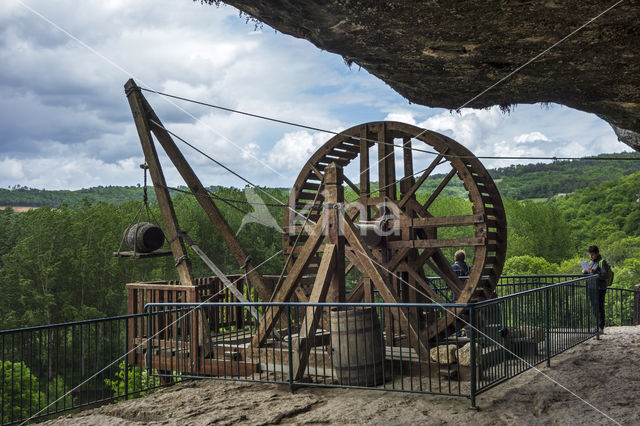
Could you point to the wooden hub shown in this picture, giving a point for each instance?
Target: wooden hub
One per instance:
(418, 235)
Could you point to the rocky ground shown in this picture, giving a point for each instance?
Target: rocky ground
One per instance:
(597, 382)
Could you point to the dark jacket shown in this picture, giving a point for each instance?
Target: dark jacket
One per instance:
(461, 268)
(599, 267)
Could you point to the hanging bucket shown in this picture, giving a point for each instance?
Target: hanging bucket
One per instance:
(143, 237)
(357, 346)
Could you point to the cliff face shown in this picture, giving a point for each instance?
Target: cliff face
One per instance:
(445, 53)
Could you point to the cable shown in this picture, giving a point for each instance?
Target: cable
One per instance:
(486, 157)
(144, 344)
(537, 56)
(223, 166)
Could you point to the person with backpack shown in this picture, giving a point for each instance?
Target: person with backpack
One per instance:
(460, 266)
(596, 289)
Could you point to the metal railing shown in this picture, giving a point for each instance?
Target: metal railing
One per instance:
(59, 368)
(52, 369)
(516, 332)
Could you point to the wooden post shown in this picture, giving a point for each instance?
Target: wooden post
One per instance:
(365, 172)
(334, 212)
(183, 264)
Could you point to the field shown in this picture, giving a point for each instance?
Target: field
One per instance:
(19, 209)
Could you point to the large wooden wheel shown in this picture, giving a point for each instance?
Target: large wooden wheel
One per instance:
(419, 238)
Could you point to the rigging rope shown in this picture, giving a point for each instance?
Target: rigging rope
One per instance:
(486, 157)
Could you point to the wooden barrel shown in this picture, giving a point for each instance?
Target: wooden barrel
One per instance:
(357, 346)
(143, 237)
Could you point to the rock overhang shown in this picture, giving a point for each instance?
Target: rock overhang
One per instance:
(446, 53)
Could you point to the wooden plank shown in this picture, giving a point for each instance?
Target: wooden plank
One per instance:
(438, 221)
(138, 255)
(140, 117)
(439, 243)
(209, 367)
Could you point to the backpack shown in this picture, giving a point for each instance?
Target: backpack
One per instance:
(607, 267)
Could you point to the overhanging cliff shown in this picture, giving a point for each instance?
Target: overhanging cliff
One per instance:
(445, 53)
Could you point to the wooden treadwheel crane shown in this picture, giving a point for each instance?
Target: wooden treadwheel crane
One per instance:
(387, 235)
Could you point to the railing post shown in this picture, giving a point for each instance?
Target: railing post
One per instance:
(472, 356)
(290, 348)
(126, 360)
(149, 356)
(547, 327)
(636, 305)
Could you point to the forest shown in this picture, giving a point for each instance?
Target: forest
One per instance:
(57, 264)
(529, 181)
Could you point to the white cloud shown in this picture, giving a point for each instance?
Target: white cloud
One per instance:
(66, 122)
(531, 137)
(291, 152)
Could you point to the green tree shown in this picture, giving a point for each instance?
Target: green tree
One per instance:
(132, 379)
(529, 265)
(21, 394)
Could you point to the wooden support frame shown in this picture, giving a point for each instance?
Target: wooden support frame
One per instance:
(140, 117)
(146, 122)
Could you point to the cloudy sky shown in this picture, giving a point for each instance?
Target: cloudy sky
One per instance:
(65, 122)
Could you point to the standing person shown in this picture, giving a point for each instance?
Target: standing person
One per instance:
(460, 266)
(596, 289)
(462, 270)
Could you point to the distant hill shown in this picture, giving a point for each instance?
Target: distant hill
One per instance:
(32, 197)
(530, 181)
(561, 177)
(544, 180)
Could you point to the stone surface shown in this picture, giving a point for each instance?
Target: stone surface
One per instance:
(444, 354)
(464, 355)
(447, 53)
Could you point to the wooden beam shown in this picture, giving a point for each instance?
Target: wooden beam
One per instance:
(140, 117)
(232, 288)
(387, 292)
(438, 243)
(207, 204)
(286, 289)
(365, 186)
(407, 182)
(438, 221)
(412, 191)
(437, 191)
(313, 313)
(334, 198)
(425, 285)
(351, 184)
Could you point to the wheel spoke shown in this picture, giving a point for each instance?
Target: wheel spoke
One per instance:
(421, 238)
(437, 191)
(411, 192)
